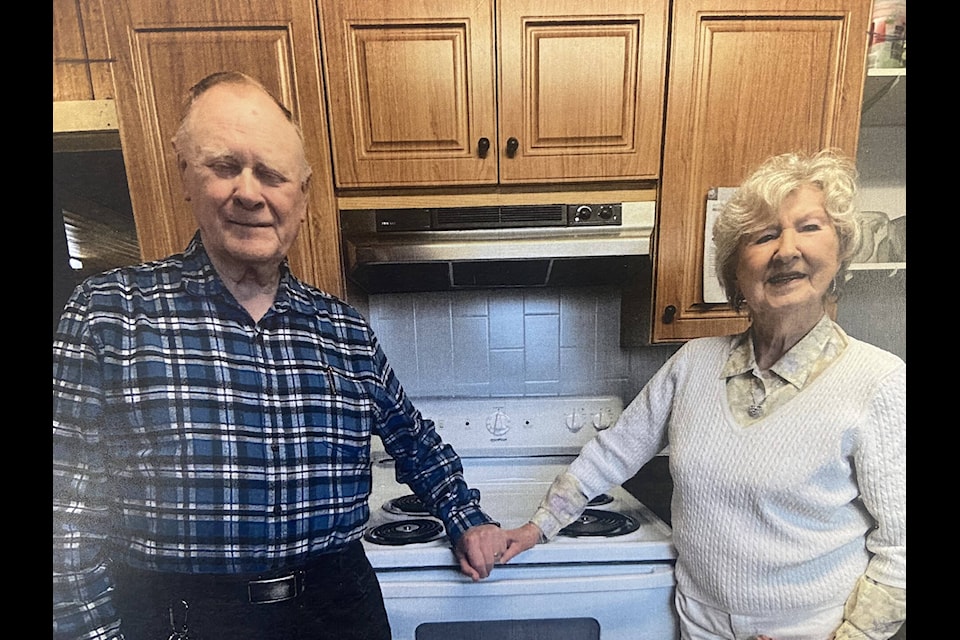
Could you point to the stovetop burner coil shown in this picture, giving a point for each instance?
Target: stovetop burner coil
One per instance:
(408, 505)
(594, 522)
(600, 500)
(405, 532)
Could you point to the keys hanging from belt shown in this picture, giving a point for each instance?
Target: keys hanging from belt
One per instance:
(178, 632)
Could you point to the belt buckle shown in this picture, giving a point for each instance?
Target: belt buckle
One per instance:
(272, 590)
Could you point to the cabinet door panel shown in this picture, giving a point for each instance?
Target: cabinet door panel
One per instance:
(161, 53)
(580, 90)
(410, 92)
(746, 82)
(81, 55)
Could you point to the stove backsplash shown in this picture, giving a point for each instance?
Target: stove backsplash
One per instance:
(512, 342)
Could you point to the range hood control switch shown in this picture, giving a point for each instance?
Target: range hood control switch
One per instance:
(594, 214)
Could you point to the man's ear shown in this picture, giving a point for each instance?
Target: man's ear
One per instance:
(181, 163)
(182, 168)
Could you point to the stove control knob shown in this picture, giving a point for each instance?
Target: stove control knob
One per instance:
(574, 422)
(498, 423)
(603, 420)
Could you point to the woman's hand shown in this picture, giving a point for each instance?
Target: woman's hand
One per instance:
(479, 548)
(519, 540)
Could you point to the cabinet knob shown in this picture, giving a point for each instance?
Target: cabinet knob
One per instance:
(483, 145)
(669, 314)
(512, 145)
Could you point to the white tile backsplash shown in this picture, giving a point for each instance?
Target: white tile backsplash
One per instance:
(506, 320)
(511, 342)
(541, 353)
(578, 322)
(541, 301)
(471, 361)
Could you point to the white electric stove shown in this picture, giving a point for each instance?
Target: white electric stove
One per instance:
(610, 574)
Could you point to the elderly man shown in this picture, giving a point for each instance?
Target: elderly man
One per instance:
(212, 418)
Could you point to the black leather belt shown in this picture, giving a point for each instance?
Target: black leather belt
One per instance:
(262, 589)
(278, 589)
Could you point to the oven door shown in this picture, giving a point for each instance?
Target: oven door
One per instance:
(561, 602)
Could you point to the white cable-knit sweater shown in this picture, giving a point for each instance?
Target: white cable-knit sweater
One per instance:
(786, 513)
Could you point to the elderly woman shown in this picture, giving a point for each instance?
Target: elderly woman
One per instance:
(787, 442)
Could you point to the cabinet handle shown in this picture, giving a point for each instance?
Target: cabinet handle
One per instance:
(669, 314)
(512, 145)
(483, 145)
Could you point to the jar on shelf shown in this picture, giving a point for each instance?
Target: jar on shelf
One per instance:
(888, 35)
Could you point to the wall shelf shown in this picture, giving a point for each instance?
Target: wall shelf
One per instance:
(892, 267)
(85, 125)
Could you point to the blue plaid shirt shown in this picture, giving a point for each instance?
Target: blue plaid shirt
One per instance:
(188, 438)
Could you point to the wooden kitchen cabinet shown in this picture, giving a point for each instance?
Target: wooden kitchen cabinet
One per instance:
(81, 57)
(466, 92)
(748, 79)
(84, 114)
(160, 50)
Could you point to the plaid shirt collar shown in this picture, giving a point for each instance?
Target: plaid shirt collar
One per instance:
(201, 279)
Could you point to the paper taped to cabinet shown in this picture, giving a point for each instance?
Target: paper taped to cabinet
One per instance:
(716, 198)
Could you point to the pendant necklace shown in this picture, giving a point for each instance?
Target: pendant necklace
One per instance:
(755, 409)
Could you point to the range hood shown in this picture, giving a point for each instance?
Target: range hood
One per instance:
(439, 249)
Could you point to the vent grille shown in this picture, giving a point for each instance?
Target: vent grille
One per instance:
(499, 217)
(529, 216)
(466, 218)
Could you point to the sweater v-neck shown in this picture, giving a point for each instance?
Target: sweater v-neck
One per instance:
(806, 392)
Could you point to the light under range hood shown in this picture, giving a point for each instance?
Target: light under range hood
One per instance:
(439, 249)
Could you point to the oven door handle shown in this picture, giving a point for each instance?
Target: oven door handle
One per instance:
(527, 580)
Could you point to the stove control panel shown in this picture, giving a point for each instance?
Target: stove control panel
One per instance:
(574, 422)
(604, 419)
(498, 426)
(498, 423)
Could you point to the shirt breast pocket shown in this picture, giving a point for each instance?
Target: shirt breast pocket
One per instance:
(340, 406)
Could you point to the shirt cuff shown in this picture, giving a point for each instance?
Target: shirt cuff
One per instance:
(465, 518)
(874, 611)
(563, 504)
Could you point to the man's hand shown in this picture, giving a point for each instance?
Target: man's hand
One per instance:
(479, 549)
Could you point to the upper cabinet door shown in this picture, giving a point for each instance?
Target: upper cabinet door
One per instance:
(411, 91)
(748, 79)
(161, 50)
(581, 89)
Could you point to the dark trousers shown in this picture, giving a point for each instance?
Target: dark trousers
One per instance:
(340, 600)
